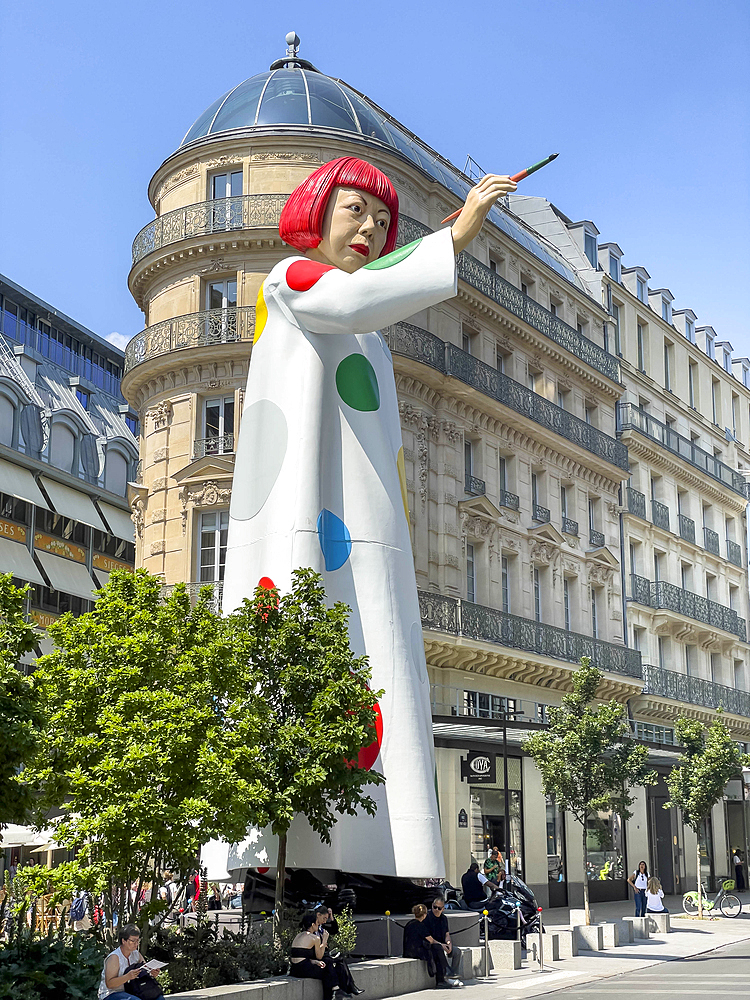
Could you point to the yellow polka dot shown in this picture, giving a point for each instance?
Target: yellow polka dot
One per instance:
(261, 315)
(402, 480)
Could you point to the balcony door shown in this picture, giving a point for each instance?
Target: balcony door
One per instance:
(226, 208)
(213, 546)
(218, 426)
(221, 317)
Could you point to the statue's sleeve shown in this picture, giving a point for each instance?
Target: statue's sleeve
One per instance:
(323, 299)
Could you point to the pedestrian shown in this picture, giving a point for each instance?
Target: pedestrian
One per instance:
(492, 866)
(639, 883)
(739, 870)
(419, 943)
(437, 925)
(655, 897)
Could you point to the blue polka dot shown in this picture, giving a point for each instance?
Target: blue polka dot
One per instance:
(335, 540)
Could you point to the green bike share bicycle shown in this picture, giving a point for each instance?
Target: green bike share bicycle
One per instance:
(729, 905)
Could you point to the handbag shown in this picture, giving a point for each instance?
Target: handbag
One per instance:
(145, 986)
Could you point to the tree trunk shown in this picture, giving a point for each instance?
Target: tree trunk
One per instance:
(700, 887)
(280, 879)
(586, 906)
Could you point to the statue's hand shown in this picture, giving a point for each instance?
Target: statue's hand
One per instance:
(479, 201)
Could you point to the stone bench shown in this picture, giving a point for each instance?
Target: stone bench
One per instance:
(640, 926)
(658, 923)
(567, 942)
(589, 937)
(506, 954)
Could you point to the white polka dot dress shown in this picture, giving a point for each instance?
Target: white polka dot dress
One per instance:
(319, 481)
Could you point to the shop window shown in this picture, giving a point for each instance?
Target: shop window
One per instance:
(487, 821)
(213, 546)
(604, 844)
(489, 706)
(555, 842)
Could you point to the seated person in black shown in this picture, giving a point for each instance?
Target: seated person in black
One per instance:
(308, 960)
(473, 883)
(437, 927)
(418, 943)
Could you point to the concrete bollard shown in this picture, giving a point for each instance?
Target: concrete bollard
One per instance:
(577, 917)
(658, 923)
(551, 946)
(625, 931)
(590, 938)
(567, 943)
(640, 927)
(506, 954)
(611, 935)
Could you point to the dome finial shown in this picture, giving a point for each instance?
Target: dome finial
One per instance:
(291, 60)
(292, 44)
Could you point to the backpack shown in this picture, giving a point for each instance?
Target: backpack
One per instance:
(169, 893)
(78, 909)
(145, 987)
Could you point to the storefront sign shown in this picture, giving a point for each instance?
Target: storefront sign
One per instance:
(463, 820)
(107, 563)
(478, 768)
(59, 547)
(42, 619)
(9, 529)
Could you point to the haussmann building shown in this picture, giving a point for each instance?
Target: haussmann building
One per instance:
(574, 451)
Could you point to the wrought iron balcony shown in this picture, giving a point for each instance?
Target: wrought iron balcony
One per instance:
(473, 486)
(640, 589)
(687, 528)
(741, 629)
(220, 215)
(636, 502)
(200, 329)
(596, 538)
(509, 500)
(569, 526)
(194, 589)
(684, 602)
(694, 690)
(734, 552)
(631, 417)
(458, 617)
(217, 445)
(660, 514)
(541, 514)
(711, 540)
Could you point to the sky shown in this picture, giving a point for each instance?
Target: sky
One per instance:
(647, 102)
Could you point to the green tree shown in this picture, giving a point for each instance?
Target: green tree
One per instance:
(145, 752)
(696, 783)
(311, 709)
(20, 716)
(587, 758)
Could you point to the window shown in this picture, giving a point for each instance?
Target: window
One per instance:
(662, 651)
(131, 422)
(735, 405)
(470, 575)
(592, 514)
(616, 318)
(524, 288)
(590, 248)
(594, 620)
(562, 398)
(716, 668)
(489, 706)
(564, 501)
(691, 383)
(690, 330)
(534, 491)
(710, 345)
(218, 426)
(531, 377)
(686, 576)
(83, 398)
(746, 376)
(668, 351)
(614, 267)
(666, 311)
(640, 286)
(553, 308)
(500, 357)
(213, 541)
(638, 638)
(657, 566)
(727, 360)
(493, 266)
(634, 559)
(467, 337)
(501, 475)
(710, 586)
(505, 573)
(715, 399)
(641, 349)
(566, 604)
(221, 294)
(739, 674)
(468, 459)
(226, 214)
(537, 596)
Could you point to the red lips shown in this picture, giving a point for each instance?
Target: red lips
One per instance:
(360, 248)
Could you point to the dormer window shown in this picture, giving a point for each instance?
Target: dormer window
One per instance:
(590, 248)
(710, 346)
(690, 330)
(746, 376)
(666, 311)
(614, 267)
(727, 360)
(640, 286)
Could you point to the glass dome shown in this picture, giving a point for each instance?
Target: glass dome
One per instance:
(298, 97)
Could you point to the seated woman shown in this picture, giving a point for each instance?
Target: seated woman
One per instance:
(419, 944)
(118, 965)
(309, 960)
(655, 897)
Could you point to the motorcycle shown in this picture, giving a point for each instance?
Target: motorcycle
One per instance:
(503, 908)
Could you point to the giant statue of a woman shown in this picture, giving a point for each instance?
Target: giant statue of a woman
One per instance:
(319, 477)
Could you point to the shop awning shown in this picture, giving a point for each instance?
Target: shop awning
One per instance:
(19, 482)
(68, 576)
(15, 558)
(23, 836)
(71, 503)
(101, 576)
(119, 521)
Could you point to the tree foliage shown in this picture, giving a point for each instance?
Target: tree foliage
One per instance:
(587, 758)
(710, 757)
(20, 715)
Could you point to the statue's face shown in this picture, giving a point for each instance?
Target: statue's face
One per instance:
(355, 228)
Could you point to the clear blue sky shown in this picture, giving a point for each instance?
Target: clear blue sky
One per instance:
(647, 103)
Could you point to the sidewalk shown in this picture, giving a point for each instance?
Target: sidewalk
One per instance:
(688, 938)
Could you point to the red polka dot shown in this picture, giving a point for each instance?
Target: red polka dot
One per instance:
(303, 274)
(368, 755)
(266, 583)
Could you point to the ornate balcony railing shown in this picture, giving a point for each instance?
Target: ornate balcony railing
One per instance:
(569, 526)
(457, 617)
(711, 540)
(687, 527)
(636, 502)
(194, 589)
(684, 602)
(220, 215)
(734, 552)
(631, 417)
(596, 538)
(694, 690)
(541, 514)
(200, 329)
(475, 487)
(741, 629)
(660, 514)
(412, 342)
(640, 589)
(217, 445)
(509, 500)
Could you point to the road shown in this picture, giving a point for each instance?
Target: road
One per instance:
(721, 973)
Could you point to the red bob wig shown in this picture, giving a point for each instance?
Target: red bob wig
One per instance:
(301, 222)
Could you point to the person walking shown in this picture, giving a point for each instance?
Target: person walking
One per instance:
(739, 871)
(655, 897)
(639, 883)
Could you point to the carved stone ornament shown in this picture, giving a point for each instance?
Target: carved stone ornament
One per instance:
(176, 178)
(542, 552)
(159, 484)
(452, 561)
(223, 161)
(279, 155)
(161, 414)
(599, 574)
(160, 454)
(160, 514)
(138, 514)
(450, 430)
(157, 548)
(204, 495)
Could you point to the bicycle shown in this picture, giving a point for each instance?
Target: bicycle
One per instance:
(729, 904)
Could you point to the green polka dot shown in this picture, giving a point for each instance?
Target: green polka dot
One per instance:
(357, 383)
(393, 258)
